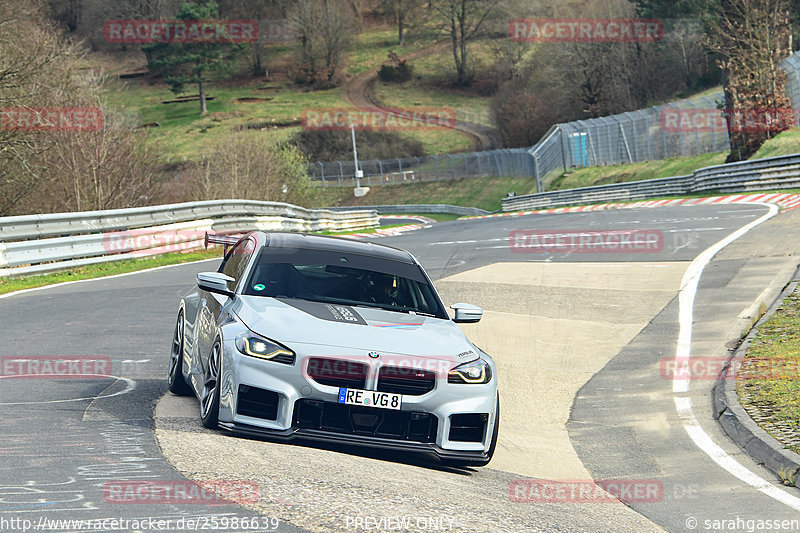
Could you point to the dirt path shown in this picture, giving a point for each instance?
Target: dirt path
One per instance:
(360, 92)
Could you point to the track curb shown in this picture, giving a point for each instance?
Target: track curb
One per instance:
(735, 421)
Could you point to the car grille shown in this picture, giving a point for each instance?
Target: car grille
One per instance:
(337, 372)
(367, 421)
(404, 380)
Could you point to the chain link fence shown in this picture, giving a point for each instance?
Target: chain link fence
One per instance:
(682, 128)
(515, 162)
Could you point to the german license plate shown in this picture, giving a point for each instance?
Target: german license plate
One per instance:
(370, 398)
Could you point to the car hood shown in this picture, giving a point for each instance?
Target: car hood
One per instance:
(289, 320)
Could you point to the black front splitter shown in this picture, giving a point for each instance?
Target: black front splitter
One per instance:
(315, 435)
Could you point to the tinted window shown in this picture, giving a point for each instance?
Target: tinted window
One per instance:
(236, 261)
(345, 278)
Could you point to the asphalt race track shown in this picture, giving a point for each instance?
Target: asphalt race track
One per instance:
(579, 339)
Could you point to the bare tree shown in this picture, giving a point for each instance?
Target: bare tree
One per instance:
(752, 37)
(324, 28)
(402, 12)
(461, 21)
(112, 167)
(252, 166)
(267, 12)
(36, 66)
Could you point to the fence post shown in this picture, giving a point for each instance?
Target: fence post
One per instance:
(563, 147)
(436, 166)
(647, 134)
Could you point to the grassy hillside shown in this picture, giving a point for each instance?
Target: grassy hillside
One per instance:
(274, 105)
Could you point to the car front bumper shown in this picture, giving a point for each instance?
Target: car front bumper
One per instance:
(286, 387)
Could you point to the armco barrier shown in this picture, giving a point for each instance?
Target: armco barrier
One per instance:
(33, 244)
(747, 176)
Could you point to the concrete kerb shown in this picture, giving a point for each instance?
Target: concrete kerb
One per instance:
(735, 421)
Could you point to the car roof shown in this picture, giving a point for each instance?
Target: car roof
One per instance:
(335, 244)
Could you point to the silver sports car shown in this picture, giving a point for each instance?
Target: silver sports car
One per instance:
(323, 338)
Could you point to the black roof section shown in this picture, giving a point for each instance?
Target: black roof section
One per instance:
(336, 244)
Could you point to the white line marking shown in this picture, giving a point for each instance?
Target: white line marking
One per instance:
(721, 457)
(130, 385)
(683, 405)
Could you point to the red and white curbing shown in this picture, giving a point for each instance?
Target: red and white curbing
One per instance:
(424, 220)
(388, 232)
(785, 201)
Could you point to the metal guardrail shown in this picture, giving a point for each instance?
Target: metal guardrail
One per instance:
(420, 209)
(781, 172)
(34, 244)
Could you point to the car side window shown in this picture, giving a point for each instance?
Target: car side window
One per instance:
(236, 261)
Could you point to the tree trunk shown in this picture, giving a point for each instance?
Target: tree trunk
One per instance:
(203, 108)
(400, 27)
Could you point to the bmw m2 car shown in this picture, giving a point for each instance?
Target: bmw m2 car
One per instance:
(313, 338)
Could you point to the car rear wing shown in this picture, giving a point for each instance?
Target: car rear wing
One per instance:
(226, 240)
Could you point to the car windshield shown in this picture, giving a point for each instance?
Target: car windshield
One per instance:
(343, 278)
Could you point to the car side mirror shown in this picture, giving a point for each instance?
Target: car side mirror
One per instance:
(466, 313)
(216, 282)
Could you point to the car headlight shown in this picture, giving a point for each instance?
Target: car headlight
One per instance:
(477, 371)
(256, 346)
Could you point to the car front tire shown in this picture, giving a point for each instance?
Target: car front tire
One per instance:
(177, 383)
(209, 395)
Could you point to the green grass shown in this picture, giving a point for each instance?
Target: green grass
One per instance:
(105, 269)
(677, 166)
(372, 48)
(770, 375)
(785, 143)
(483, 193)
(428, 87)
(185, 134)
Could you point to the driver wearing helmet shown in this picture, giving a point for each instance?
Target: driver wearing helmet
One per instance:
(382, 289)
